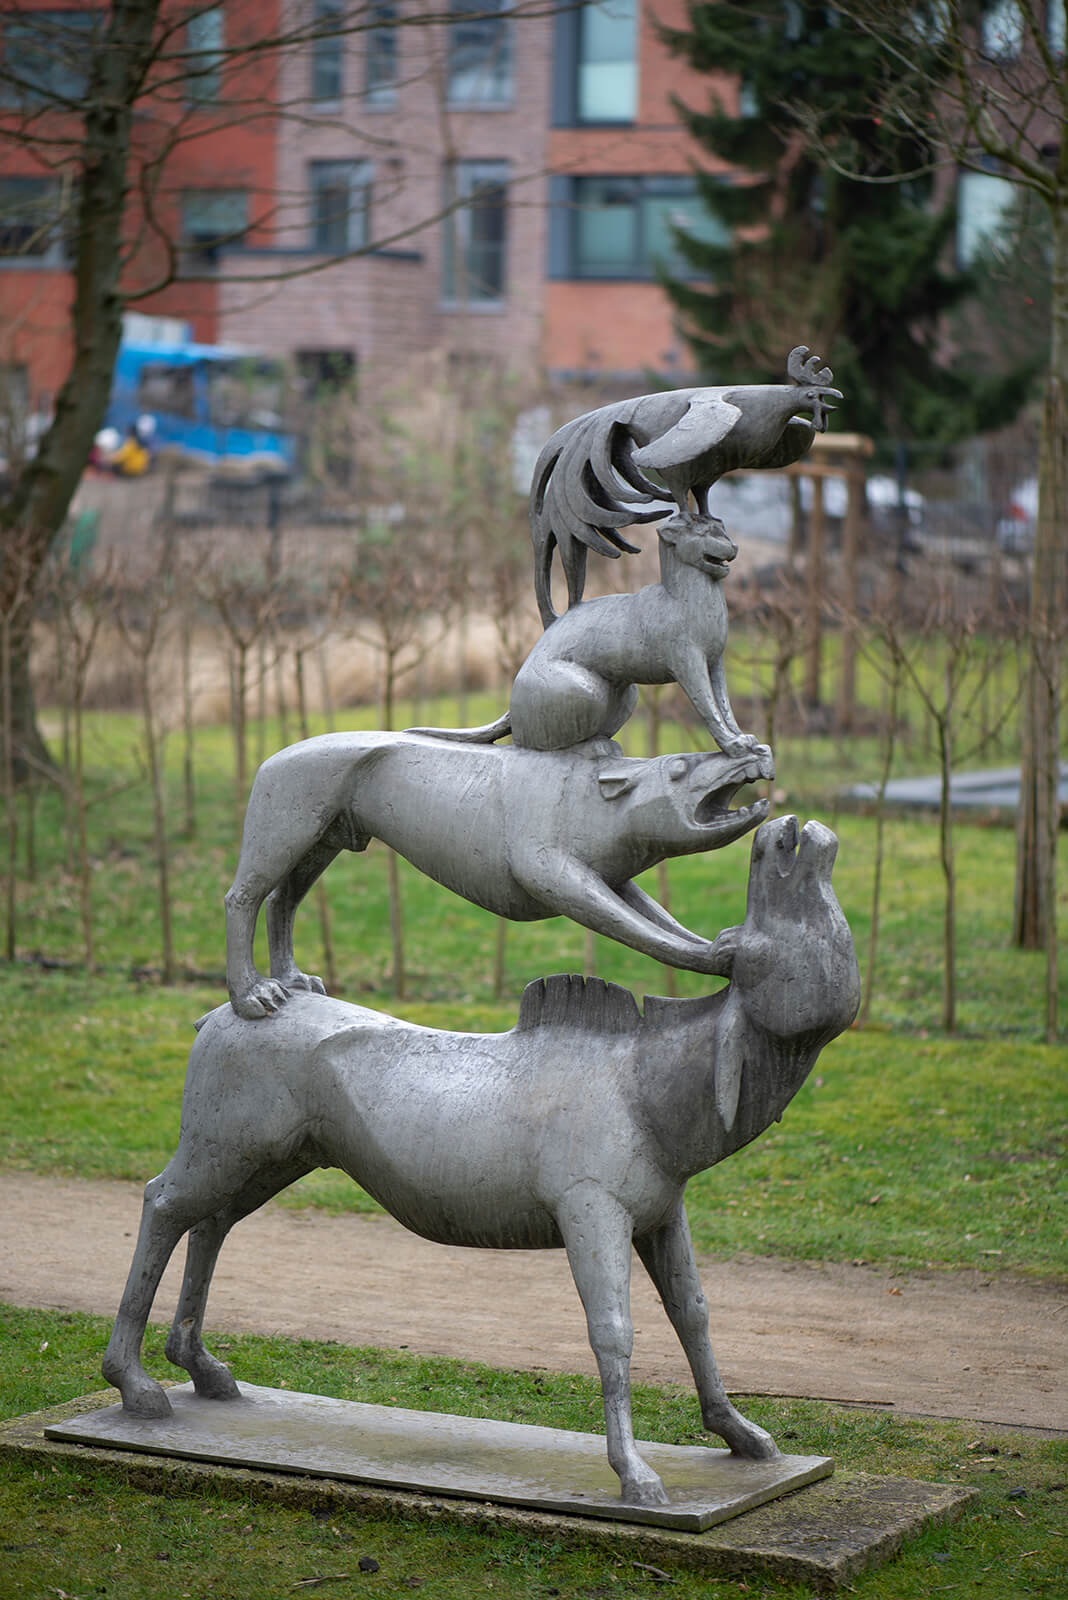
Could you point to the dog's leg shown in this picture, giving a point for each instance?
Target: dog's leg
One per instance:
(567, 887)
(667, 1255)
(281, 909)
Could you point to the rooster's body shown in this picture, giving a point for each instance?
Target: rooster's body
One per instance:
(592, 477)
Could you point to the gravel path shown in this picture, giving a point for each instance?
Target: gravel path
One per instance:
(993, 1349)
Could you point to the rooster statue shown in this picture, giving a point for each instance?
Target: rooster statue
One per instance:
(592, 477)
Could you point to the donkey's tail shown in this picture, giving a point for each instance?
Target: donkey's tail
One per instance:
(489, 733)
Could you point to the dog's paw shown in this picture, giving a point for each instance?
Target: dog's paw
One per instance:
(261, 999)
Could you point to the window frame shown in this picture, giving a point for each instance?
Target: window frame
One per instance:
(327, 86)
(382, 46)
(357, 216)
(206, 251)
(204, 83)
(573, 196)
(461, 178)
(45, 195)
(498, 30)
(35, 26)
(568, 65)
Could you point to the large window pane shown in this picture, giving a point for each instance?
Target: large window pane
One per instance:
(984, 202)
(380, 62)
(623, 227)
(204, 38)
(480, 53)
(607, 65)
(327, 60)
(213, 219)
(340, 196)
(45, 56)
(606, 227)
(670, 203)
(31, 219)
(476, 233)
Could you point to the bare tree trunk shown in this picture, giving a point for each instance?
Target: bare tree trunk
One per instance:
(946, 856)
(1035, 900)
(816, 583)
(889, 740)
(663, 883)
(399, 977)
(8, 752)
(189, 784)
(34, 513)
(326, 929)
(847, 687)
(159, 819)
(325, 692)
(500, 945)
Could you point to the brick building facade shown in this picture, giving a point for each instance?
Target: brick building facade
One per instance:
(510, 180)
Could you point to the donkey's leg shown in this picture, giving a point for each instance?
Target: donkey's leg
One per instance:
(163, 1221)
(185, 1347)
(667, 1255)
(281, 908)
(597, 1233)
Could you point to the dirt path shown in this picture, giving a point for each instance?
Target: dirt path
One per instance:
(947, 1345)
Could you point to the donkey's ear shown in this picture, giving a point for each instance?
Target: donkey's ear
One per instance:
(615, 781)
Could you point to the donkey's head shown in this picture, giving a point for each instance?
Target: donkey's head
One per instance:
(795, 968)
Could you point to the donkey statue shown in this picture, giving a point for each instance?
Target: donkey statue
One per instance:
(578, 1129)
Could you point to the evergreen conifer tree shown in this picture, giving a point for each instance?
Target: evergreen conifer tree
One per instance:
(829, 230)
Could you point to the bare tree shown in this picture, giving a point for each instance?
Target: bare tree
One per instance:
(990, 79)
(100, 101)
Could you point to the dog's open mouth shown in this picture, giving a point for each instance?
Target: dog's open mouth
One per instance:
(715, 808)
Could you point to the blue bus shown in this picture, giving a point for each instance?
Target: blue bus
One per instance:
(208, 402)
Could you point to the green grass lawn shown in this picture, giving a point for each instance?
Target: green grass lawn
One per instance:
(905, 1148)
(77, 1531)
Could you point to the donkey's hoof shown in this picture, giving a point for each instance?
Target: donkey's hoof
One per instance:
(145, 1399)
(644, 1490)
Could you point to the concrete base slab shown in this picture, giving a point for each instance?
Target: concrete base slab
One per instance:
(825, 1534)
(546, 1469)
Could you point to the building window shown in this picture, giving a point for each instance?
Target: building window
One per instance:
(213, 220)
(340, 202)
(476, 231)
(204, 61)
(480, 53)
(324, 374)
(1002, 31)
(31, 221)
(623, 227)
(380, 60)
(607, 87)
(1055, 19)
(327, 60)
(45, 56)
(595, 63)
(985, 202)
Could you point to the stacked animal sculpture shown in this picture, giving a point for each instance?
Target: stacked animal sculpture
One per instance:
(578, 1129)
(523, 833)
(580, 679)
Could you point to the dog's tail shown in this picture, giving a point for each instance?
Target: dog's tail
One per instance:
(489, 733)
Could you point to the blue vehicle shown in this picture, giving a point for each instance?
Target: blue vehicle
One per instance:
(210, 403)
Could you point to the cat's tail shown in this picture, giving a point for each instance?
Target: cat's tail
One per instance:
(489, 733)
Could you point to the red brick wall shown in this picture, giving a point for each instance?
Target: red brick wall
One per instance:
(611, 328)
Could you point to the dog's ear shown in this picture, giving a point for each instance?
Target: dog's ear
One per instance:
(614, 782)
